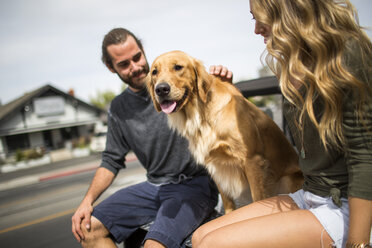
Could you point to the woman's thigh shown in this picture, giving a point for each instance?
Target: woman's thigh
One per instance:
(272, 205)
(271, 222)
(297, 228)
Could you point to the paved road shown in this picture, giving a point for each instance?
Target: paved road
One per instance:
(39, 214)
(94, 158)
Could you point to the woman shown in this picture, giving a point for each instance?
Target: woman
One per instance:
(323, 61)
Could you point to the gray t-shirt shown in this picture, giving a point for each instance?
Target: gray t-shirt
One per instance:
(134, 124)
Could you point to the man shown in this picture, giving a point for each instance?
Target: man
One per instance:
(178, 194)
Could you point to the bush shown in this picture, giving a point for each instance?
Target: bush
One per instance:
(262, 101)
(33, 154)
(19, 156)
(81, 142)
(28, 154)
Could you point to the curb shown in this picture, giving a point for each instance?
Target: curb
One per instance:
(129, 158)
(66, 173)
(32, 179)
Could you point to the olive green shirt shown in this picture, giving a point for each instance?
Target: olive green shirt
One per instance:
(337, 173)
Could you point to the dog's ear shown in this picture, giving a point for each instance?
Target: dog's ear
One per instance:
(203, 80)
(151, 90)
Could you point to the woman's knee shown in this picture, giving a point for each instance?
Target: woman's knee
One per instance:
(201, 240)
(198, 236)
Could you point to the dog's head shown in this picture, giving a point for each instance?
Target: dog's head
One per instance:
(174, 79)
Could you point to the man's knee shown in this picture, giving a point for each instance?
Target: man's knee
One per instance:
(96, 232)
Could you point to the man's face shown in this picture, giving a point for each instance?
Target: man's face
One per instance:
(129, 62)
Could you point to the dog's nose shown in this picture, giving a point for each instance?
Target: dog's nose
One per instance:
(162, 89)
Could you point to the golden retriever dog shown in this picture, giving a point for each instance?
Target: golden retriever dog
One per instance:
(237, 142)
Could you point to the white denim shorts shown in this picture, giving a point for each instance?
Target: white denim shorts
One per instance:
(334, 219)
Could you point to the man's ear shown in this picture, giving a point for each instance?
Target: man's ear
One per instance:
(150, 89)
(203, 80)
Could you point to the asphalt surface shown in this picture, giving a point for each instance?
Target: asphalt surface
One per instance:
(51, 171)
(39, 215)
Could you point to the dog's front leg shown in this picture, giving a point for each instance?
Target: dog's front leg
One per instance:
(261, 183)
(228, 202)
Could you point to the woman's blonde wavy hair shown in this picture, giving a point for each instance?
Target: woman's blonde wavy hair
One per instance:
(305, 51)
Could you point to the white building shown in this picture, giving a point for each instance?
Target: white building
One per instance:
(45, 118)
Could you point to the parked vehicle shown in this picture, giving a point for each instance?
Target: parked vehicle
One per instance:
(98, 141)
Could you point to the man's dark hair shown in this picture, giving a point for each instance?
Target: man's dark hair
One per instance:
(116, 36)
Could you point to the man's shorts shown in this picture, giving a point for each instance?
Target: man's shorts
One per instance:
(176, 209)
(334, 219)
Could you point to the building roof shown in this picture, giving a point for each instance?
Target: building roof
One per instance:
(16, 105)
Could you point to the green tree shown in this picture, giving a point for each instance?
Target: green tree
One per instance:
(102, 99)
(262, 101)
(265, 71)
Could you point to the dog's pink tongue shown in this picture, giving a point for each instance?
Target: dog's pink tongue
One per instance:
(168, 107)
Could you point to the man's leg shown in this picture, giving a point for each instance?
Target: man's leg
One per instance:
(183, 208)
(97, 236)
(125, 211)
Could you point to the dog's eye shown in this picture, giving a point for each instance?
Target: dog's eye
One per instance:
(154, 72)
(178, 67)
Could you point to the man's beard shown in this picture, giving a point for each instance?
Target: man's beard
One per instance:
(138, 85)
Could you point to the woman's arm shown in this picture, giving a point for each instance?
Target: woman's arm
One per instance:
(359, 161)
(360, 220)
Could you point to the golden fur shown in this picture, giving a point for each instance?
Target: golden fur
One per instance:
(239, 144)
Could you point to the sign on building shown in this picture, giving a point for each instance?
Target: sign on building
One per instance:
(50, 105)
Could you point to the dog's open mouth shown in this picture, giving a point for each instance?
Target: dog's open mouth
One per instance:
(170, 106)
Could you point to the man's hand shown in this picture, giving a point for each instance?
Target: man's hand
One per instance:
(81, 216)
(101, 181)
(221, 72)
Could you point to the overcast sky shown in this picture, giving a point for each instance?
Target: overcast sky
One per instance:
(58, 42)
